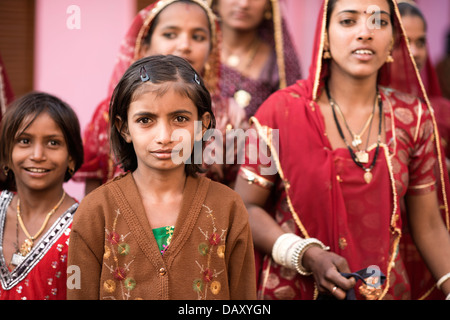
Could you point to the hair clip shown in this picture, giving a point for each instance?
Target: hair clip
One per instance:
(196, 79)
(144, 75)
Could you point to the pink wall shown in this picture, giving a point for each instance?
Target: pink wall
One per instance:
(76, 64)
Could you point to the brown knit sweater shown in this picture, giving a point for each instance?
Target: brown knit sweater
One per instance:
(210, 255)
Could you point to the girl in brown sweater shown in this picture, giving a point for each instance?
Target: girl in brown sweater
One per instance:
(161, 231)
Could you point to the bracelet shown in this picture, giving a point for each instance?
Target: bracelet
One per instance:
(448, 297)
(253, 178)
(442, 280)
(281, 249)
(289, 248)
(300, 250)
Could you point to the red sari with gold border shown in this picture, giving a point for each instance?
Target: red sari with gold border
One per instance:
(321, 193)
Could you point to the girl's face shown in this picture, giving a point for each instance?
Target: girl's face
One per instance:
(242, 14)
(40, 155)
(182, 30)
(359, 39)
(162, 128)
(415, 30)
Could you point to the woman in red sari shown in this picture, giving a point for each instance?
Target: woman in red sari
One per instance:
(356, 160)
(258, 57)
(191, 35)
(416, 29)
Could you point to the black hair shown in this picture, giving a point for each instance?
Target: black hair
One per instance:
(409, 10)
(160, 69)
(33, 104)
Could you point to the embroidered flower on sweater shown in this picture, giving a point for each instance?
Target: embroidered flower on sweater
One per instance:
(116, 249)
(214, 244)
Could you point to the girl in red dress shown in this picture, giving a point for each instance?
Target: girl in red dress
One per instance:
(41, 149)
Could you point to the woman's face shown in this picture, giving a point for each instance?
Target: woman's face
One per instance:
(182, 30)
(242, 14)
(415, 30)
(360, 36)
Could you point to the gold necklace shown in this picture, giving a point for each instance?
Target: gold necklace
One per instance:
(367, 171)
(28, 244)
(357, 138)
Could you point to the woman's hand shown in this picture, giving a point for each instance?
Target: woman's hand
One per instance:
(326, 267)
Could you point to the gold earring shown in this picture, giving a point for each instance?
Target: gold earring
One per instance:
(389, 59)
(327, 54)
(268, 15)
(70, 170)
(5, 170)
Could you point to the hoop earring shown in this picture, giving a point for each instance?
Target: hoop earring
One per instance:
(327, 54)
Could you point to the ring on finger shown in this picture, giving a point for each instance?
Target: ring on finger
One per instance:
(334, 289)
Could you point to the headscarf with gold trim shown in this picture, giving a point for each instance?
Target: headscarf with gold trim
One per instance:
(286, 70)
(241, 96)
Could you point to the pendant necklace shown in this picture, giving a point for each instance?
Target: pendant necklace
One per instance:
(25, 248)
(359, 157)
(357, 138)
(241, 96)
(233, 60)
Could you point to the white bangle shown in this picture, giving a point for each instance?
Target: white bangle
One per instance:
(300, 250)
(448, 297)
(289, 248)
(442, 280)
(281, 248)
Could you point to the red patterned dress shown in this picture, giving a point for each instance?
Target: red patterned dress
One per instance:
(43, 273)
(364, 219)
